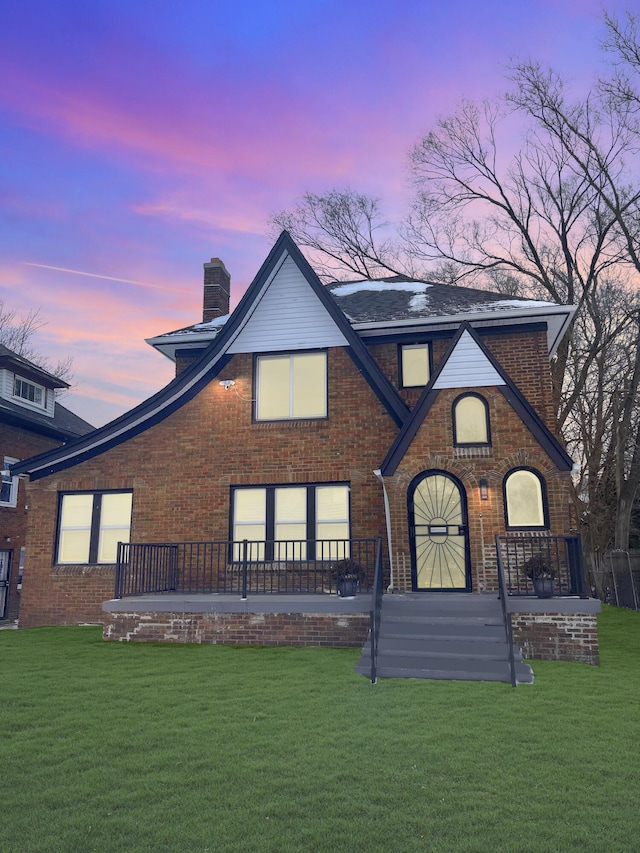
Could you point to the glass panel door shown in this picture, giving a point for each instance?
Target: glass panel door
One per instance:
(438, 531)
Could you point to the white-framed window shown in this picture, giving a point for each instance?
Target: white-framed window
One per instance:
(291, 386)
(90, 525)
(470, 416)
(292, 522)
(525, 500)
(29, 392)
(415, 365)
(9, 494)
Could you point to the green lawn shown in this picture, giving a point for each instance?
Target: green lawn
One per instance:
(111, 747)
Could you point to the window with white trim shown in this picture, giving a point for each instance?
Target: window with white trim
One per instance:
(525, 499)
(292, 522)
(415, 365)
(90, 525)
(29, 392)
(9, 494)
(291, 386)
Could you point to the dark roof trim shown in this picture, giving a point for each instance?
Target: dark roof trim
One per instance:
(358, 351)
(204, 368)
(523, 409)
(418, 414)
(150, 412)
(537, 427)
(426, 336)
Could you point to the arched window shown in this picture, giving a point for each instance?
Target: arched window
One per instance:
(470, 415)
(525, 500)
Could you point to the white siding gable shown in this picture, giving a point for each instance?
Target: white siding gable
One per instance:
(468, 367)
(288, 316)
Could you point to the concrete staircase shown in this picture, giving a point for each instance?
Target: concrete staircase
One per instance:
(456, 636)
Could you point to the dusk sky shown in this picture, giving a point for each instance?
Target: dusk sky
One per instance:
(140, 138)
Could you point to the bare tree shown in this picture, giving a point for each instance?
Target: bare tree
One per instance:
(530, 217)
(346, 234)
(557, 219)
(17, 332)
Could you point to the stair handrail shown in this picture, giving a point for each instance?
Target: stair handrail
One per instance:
(376, 610)
(502, 595)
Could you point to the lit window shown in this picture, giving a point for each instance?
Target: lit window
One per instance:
(29, 392)
(91, 525)
(292, 521)
(9, 495)
(471, 420)
(524, 499)
(291, 386)
(414, 363)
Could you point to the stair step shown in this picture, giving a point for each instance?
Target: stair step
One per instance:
(460, 648)
(432, 604)
(450, 630)
(523, 676)
(399, 656)
(444, 636)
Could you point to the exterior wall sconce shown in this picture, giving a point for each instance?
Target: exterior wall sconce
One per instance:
(484, 489)
(226, 383)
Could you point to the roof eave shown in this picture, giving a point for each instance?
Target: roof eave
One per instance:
(554, 335)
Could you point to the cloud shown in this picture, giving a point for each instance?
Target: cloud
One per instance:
(107, 277)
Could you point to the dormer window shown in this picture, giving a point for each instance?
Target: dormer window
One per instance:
(29, 391)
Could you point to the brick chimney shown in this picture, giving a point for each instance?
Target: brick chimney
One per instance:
(217, 286)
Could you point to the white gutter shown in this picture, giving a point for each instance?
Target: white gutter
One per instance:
(387, 515)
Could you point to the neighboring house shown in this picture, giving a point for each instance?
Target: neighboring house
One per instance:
(31, 421)
(311, 422)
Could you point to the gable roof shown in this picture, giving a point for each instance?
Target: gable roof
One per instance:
(12, 360)
(64, 425)
(446, 377)
(209, 364)
(402, 305)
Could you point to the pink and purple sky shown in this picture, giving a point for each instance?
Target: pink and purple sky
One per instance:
(139, 138)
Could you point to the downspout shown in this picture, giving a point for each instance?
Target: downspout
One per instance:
(387, 515)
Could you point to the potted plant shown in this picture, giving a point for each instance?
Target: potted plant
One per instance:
(541, 574)
(347, 575)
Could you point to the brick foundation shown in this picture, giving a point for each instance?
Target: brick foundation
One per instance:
(557, 636)
(263, 629)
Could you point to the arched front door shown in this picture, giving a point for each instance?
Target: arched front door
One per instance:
(438, 532)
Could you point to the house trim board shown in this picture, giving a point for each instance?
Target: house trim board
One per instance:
(512, 395)
(425, 336)
(205, 368)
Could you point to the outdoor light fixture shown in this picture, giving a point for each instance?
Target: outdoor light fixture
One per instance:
(484, 489)
(227, 383)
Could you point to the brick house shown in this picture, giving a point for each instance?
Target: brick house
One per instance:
(300, 431)
(31, 422)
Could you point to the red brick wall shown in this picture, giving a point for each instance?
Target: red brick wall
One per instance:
(522, 355)
(263, 629)
(17, 443)
(512, 446)
(556, 636)
(182, 469)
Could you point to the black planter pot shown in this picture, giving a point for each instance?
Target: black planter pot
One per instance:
(347, 587)
(543, 587)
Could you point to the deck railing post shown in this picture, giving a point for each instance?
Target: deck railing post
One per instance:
(245, 545)
(118, 589)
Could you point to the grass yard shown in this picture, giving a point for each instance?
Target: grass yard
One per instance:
(110, 747)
